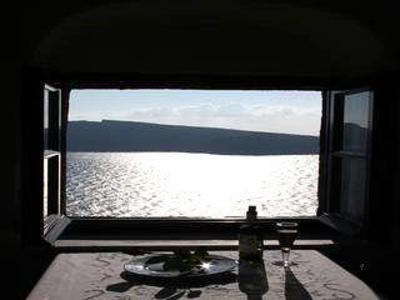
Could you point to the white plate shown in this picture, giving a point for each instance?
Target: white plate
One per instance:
(215, 264)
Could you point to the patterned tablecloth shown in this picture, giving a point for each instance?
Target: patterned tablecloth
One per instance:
(89, 276)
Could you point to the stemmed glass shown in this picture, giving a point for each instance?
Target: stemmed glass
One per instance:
(287, 233)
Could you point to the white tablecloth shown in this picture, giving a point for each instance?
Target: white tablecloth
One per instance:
(90, 276)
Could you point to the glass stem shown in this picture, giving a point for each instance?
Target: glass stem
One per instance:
(285, 256)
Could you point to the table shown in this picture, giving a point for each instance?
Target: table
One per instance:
(87, 276)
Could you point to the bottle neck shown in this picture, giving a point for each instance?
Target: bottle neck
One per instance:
(251, 218)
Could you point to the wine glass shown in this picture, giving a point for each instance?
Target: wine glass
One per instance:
(287, 233)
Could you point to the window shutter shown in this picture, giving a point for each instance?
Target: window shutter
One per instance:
(344, 182)
(53, 157)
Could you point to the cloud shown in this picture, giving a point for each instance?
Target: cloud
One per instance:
(291, 119)
(232, 110)
(197, 110)
(279, 111)
(273, 111)
(153, 112)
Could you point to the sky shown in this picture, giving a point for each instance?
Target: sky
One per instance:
(296, 112)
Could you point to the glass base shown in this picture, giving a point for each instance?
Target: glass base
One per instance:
(286, 262)
(280, 264)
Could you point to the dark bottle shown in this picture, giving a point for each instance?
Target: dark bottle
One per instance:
(253, 278)
(250, 237)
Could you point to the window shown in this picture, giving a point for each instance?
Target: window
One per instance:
(53, 221)
(349, 127)
(51, 153)
(341, 193)
(192, 153)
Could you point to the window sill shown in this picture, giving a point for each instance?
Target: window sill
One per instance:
(163, 245)
(341, 225)
(54, 226)
(176, 229)
(83, 235)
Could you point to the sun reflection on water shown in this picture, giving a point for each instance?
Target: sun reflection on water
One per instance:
(190, 185)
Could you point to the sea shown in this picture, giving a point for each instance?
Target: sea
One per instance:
(190, 185)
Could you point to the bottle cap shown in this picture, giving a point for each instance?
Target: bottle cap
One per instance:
(251, 214)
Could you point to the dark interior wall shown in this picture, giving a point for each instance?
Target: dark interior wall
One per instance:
(383, 216)
(220, 37)
(10, 159)
(313, 40)
(10, 102)
(324, 40)
(10, 201)
(277, 39)
(395, 200)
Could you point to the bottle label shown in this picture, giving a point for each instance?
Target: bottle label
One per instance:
(248, 244)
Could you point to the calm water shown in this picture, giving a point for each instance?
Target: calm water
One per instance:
(191, 185)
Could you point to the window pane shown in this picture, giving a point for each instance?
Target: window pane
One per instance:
(46, 119)
(51, 193)
(355, 128)
(45, 187)
(353, 185)
(51, 120)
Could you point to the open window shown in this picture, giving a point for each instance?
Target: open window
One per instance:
(53, 220)
(51, 153)
(192, 154)
(348, 128)
(343, 177)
